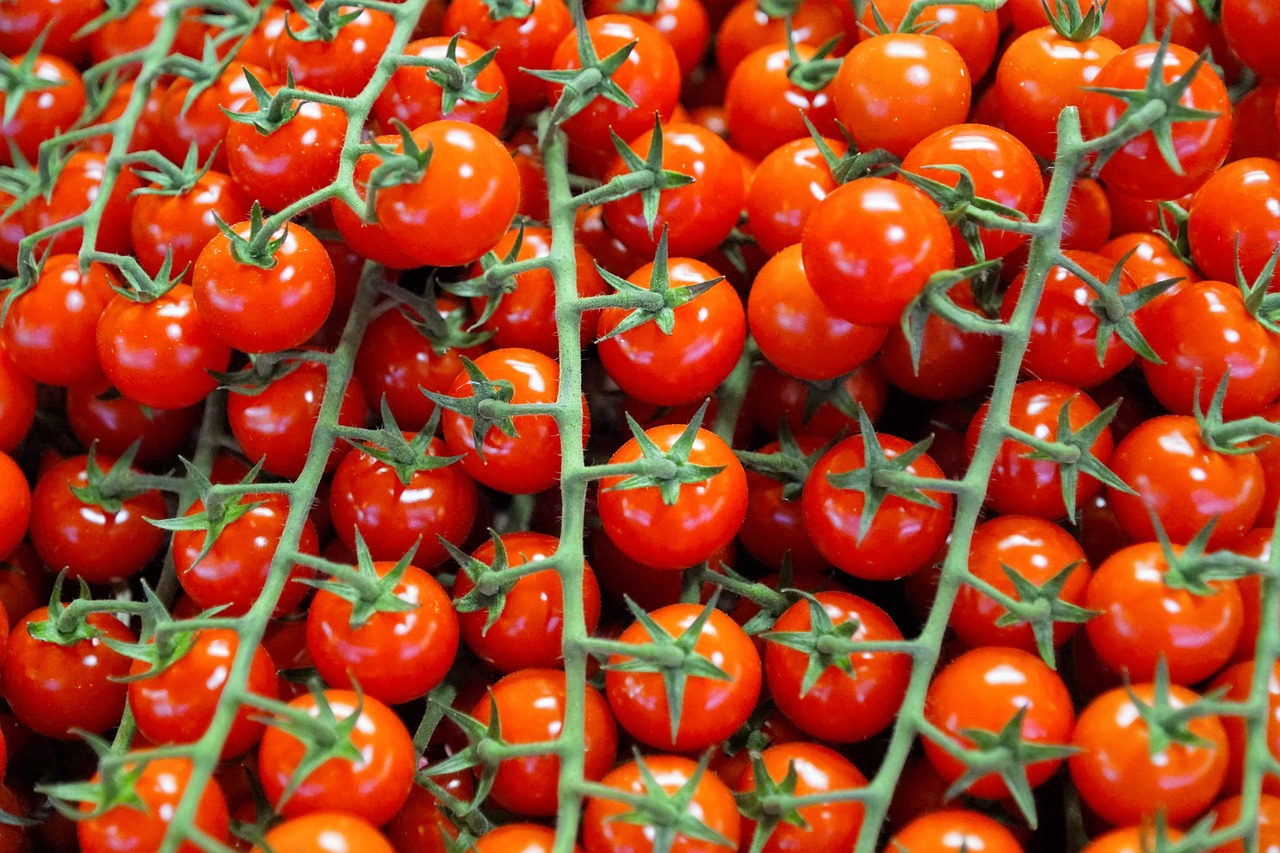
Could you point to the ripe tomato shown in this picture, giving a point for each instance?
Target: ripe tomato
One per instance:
(17, 403)
(894, 90)
(414, 98)
(395, 656)
(1131, 839)
(53, 688)
(16, 511)
(1033, 548)
(954, 831)
(1236, 212)
(774, 526)
(421, 824)
(1255, 131)
(765, 110)
(954, 364)
(974, 33)
(870, 246)
(1149, 260)
(471, 183)
(1040, 74)
(1123, 21)
(137, 28)
(983, 690)
(1086, 224)
(683, 23)
(650, 76)
(528, 631)
(712, 805)
(529, 462)
(1246, 25)
(1199, 146)
(160, 786)
(788, 184)
(369, 239)
(275, 424)
(293, 160)
(313, 833)
(518, 838)
(1237, 682)
(696, 217)
(1184, 483)
(901, 537)
(1256, 544)
(1229, 812)
(340, 66)
(819, 770)
(713, 709)
(526, 316)
(199, 119)
(841, 707)
(704, 517)
(296, 291)
(527, 42)
(368, 496)
(160, 353)
(747, 28)
(99, 542)
(687, 365)
(372, 787)
(20, 25)
(42, 112)
(530, 707)
(1124, 781)
(74, 190)
(1003, 170)
(177, 704)
(1018, 485)
(49, 332)
(185, 222)
(1228, 341)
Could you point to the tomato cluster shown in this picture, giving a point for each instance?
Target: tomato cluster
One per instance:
(637, 427)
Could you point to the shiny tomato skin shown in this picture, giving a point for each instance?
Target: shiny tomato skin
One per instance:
(22, 23)
(902, 537)
(1236, 211)
(414, 99)
(88, 540)
(954, 364)
(1029, 486)
(1003, 170)
(1256, 544)
(372, 787)
(1123, 21)
(160, 786)
(1033, 548)
(296, 292)
(1247, 25)
(74, 190)
(1130, 839)
(368, 496)
(1229, 812)
(696, 217)
(184, 223)
(1039, 74)
(1149, 261)
(973, 32)
(1185, 483)
(530, 706)
(177, 704)
(774, 526)
(705, 517)
(463, 203)
(528, 633)
(198, 119)
(1064, 331)
(236, 568)
(921, 81)
(712, 805)
(275, 425)
(765, 110)
(394, 656)
(423, 824)
(818, 769)
(954, 831)
(342, 66)
(17, 403)
(160, 353)
(50, 330)
(982, 690)
(528, 42)
(787, 185)
(839, 708)
(870, 246)
(16, 511)
(52, 108)
(1237, 680)
(293, 161)
(683, 23)
(314, 832)
(1203, 334)
(747, 28)
(713, 709)
(137, 28)
(1123, 782)
(53, 689)
(521, 837)
(794, 329)
(529, 463)
(687, 365)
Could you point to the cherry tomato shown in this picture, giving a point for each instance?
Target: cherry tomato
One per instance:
(21, 24)
(747, 28)
(74, 191)
(954, 364)
(954, 831)
(1236, 212)
(684, 23)
(371, 787)
(340, 66)
(199, 119)
(421, 824)
(1246, 25)
(764, 109)
(1122, 779)
(160, 786)
(51, 106)
(842, 707)
(414, 98)
(518, 838)
(973, 32)
(320, 832)
(1237, 683)
(788, 184)
(183, 223)
(16, 511)
(818, 770)
(522, 42)
(1123, 21)
(1229, 812)
(774, 527)
(529, 627)
(530, 707)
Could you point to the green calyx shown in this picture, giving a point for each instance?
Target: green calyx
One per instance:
(324, 737)
(827, 645)
(676, 659)
(1115, 310)
(1039, 606)
(396, 168)
(273, 112)
(19, 79)
(881, 476)
(935, 300)
(500, 10)
(407, 456)
(66, 625)
(1072, 450)
(1166, 724)
(645, 176)
(457, 82)
(789, 464)
(110, 489)
(483, 750)
(668, 470)
(962, 206)
(491, 582)
(262, 369)
(765, 802)
(260, 247)
(488, 407)
(853, 164)
(659, 301)
(168, 179)
(444, 330)
(1072, 23)
(364, 589)
(778, 9)
(668, 815)
(115, 787)
(220, 510)
(492, 284)
(592, 79)
(322, 24)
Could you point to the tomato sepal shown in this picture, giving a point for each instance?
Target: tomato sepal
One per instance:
(767, 803)
(659, 300)
(667, 470)
(1071, 450)
(668, 815)
(367, 592)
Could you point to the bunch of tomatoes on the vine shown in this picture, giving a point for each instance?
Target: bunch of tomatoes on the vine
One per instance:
(640, 426)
